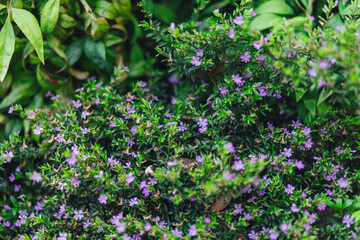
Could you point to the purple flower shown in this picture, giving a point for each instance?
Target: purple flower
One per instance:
(257, 45)
(78, 215)
(343, 183)
(129, 178)
(172, 26)
(312, 72)
(173, 79)
(147, 227)
(72, 160)
(321, 206)
(285, 228)
(299, 164)
(246, 57)
(102, 199)
(348, 220)
(294, 208)
(77, 104)
(36, 177)
(192, 231)
(307, 131)
(176, 233)
(199, 159)
(126, 68)
(323, 64)
(239, 20)
(238, 80)
(238, 210)
(253, 13)
(287, 152)
(273, 235)
(195, 61)
(202, 122)
(112, 161)
(311, 18)
(238, 165)
(224, 91)
(97, 101)
(182, 127)
(121, 227)
(17, 187)
(289, 189)
(38, 130)
(229, 147)
(79, 89)
(11, 109)
(133, 201)
(62, 236)
(31, 114)
(200, 52)
(173, 101)
(84, 114)
(232, 33)
(86, 224)
(252, 235)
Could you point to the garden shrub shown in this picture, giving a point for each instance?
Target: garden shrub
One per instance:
(226, 158)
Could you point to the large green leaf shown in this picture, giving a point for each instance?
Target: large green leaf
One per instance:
(74, 51)
(21, 92)
(310, 105)
(30, 28)
(49, 16)
(276, 7)
(299, 93)
(105, 9)
(96, 52)
(7, 46)
(265, 21)
(2, 6)
(325, 93)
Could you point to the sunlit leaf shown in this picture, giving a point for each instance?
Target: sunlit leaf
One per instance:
(7, 46)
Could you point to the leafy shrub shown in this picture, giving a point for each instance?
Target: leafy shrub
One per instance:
(227, 157)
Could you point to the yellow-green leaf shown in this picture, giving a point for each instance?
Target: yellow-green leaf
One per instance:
(49, 16)
(2, 6)
(7, 46)
(30, 28)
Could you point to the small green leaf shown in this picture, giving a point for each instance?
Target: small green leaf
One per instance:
(49, 16)
(7, 46)
(105, 9)
(300, 93)
(275, 7)
(30, 28)
(311, 106)
(99, 27)
(2, 6)
(265, 21)
(96, 52)
(325, 93)
(74, 51)
(164, 13)
(23, 91)
(356, 215)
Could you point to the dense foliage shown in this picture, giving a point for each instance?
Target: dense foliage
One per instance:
(259, 140)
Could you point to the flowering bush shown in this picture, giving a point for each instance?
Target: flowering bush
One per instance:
(225, 157)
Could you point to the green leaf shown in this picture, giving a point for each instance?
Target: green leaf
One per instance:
(164, 13)
(300, 93)
(23, 91)
(105, 9)
(99, 27)
(356, 215)
(265, 21)
(310, 105)
(275, 7)
(96, 52)
(7, 46)
(74, 51)
(2, 6)
(30, 28)
(325, 93)
(49, 16)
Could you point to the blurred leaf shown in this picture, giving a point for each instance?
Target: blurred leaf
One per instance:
(164, 13)
(81, 75)
(335, 21)
(49, 16)
(5, 85)
(300, 93)
(344, 9)
(310, 104)
(276, 7)
(96, 53)
(7, 46)
(265, 21)
(74, 51)
(298, 22)
(46, 79)
(66, 21)
(105, 9)
(325, 93)
(137, 53)
(137, 28)
(123, 8)
(17, 3)
(21, 92)
(13, 125)
(2, 6)
(30, 28)
(111, 40)
(28, 49)
(99, 27)
(356, 216)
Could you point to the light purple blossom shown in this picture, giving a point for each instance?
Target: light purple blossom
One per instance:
(343, 183)
(129, 178)
(289, 189)
(172, 26)
(294, 208)
(77, 104)
(78, 215)
(312, 72)
(232, 33)
(62, 236)
(126, 68)
(133, 201)
(273, 235)
(321, 206)
(200, 52)
(192, 231)
(11, 109)
(31, 114)
(182, 127)
(102, 199)
(238, 165)
(257, 45)
(195, 61)
(84, 114)
(238, 209)
(176, 233)
(348, 220)
(245, 57)
(224, 91)
(36, 177)
(86, 224)
(287, 152)
(199, 159)
(285, 228)
(238, 80)
(239, 20)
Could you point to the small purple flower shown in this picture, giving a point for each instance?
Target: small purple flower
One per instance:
(285, 228)
(173, 101)
(257, 45)
(200, 52)
(199, 159)
(102, 199)
(36, 177)
(348, 220)
(126, 68)
(299, 164)
(273, 235)
(182, 127)
(294, 208)
(12, 177)
(312, 72)
(238, 210)
(62, 236)
(173, 79)
(238, 80)
(311, 18)
(195, 61)
(38, 130)
(224, 91)
(239, 20)
(253, 13)
(31, 114)
(232, 33)
(133, 201)
(17, 187)
(176, 233)
(323, 64)
(289, 189)
(97, 101)
(321, 206)
(78, 215)
(287, 152)
(11, 109)
(252, 235)
(172, 26)
(129, 178)
(230, 147)
(343, 183)
(192, 231)
(238, 165)
(86, 224)
(245, 57)
(84, 114)
(77, 104)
